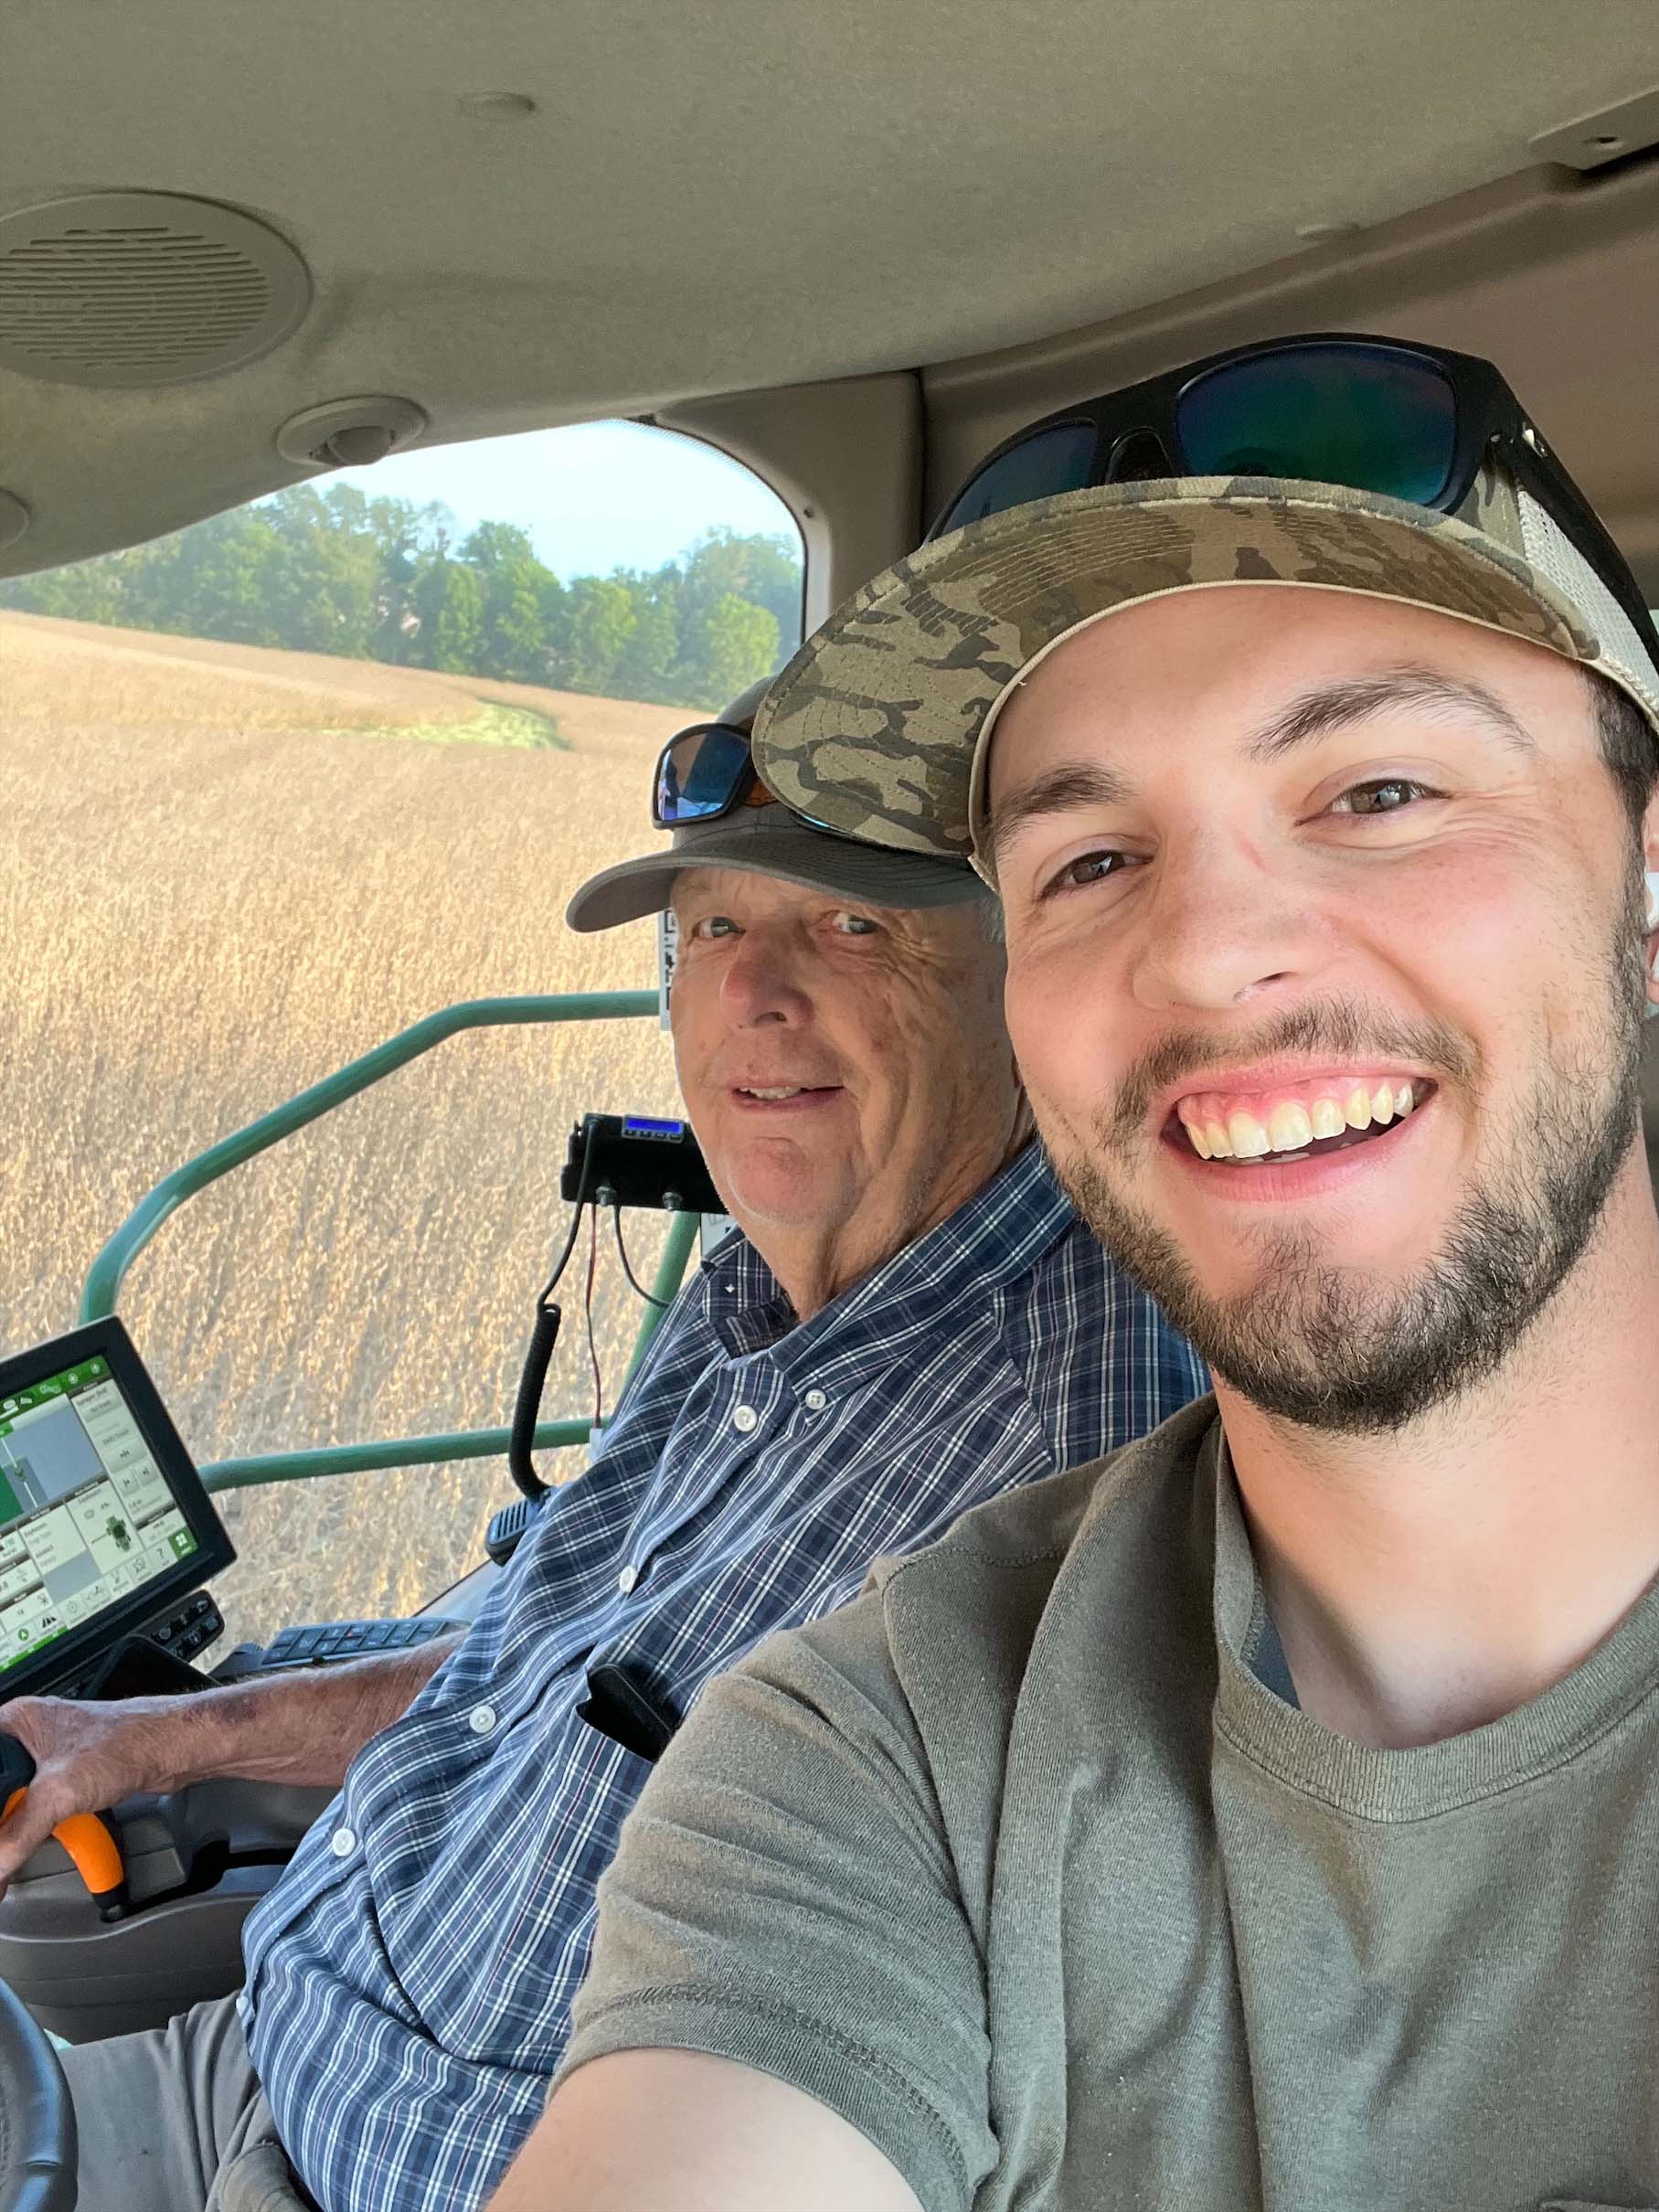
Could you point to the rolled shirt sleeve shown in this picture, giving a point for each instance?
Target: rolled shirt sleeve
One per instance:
(785, 1896)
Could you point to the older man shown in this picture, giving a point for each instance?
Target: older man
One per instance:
(914, 1320)
(1269, 1816)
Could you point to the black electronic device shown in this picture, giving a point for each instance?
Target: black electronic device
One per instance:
(105, 1527)
(508, 1528)
(612, 1160)
(618, 1708)
(633, 1159)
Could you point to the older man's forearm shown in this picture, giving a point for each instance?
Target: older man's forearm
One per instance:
(305, 1729)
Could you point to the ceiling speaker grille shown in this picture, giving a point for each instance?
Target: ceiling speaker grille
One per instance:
(140, 288)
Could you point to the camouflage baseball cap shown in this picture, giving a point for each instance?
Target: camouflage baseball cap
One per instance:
(761, 837)
(879, 725)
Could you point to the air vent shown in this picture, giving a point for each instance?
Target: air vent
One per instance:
(128, 289)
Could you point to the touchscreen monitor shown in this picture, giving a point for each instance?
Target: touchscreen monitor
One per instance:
(103, 1519)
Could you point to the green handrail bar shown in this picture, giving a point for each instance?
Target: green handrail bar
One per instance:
(109, 1269)
(461, 1444)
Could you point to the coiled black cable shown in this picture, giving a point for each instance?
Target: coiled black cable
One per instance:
(544, 1335)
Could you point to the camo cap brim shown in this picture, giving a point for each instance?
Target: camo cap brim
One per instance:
(767, 840)
(875, 726)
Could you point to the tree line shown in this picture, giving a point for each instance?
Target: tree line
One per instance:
(384, 580)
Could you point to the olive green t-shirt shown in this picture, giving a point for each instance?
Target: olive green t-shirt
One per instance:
(1016, 1865)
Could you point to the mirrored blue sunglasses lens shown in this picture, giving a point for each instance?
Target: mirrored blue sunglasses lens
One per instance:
(1369, 417)
(699, 774)
(1055, 460)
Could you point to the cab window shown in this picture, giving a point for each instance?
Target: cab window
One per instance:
(280, 785)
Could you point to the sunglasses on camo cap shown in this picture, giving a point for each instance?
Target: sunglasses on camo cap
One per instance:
(702, 774)
(707, 770)
(1414, 423)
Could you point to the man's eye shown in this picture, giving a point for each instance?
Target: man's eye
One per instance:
(716, 925)
(1088, 867)
(1387, 795)
(856, 925)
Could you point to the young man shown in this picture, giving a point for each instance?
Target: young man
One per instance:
(913, 1320)
(1270, 1816)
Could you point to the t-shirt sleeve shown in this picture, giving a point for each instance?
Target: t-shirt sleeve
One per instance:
(784, 1897)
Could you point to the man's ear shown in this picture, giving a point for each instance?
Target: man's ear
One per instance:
(1649, 912)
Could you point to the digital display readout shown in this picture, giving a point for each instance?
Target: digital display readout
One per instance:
(86, 1516)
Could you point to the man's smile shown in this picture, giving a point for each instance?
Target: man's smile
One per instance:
(1325, 1112)
(775, 1097)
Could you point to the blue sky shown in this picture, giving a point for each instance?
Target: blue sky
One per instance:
(596, 496)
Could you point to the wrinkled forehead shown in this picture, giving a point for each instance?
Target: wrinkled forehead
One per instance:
(755, 891)
(743, 892)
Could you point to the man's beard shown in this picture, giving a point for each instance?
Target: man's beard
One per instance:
(1313, 1342)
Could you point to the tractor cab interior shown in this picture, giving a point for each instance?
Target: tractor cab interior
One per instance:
(239, 251)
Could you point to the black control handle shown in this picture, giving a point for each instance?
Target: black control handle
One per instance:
(16, 1767)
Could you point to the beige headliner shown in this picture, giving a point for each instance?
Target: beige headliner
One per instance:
(746, 195)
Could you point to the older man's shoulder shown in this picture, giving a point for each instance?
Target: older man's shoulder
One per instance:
(1032, 1531)
(1106, 1565)
(958, 1616)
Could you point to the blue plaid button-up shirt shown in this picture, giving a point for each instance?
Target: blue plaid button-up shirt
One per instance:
(409, 1980)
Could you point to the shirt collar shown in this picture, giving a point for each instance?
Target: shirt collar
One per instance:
(993, 1239)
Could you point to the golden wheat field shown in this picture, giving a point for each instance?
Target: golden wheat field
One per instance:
(224, 871)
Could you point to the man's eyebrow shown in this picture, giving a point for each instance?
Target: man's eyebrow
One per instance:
(1315, 713)
(1072, 784)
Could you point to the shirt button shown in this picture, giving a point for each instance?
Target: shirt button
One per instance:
(342, 1843)
(816, 1400)
(746, 1419)
(481, 1719)
(626, 1580)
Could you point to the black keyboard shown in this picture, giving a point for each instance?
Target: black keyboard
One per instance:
(316, 1644)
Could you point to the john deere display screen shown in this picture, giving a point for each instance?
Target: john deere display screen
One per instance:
(102, 1517)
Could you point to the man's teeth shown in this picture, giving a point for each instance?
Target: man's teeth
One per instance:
(1228, 1129)
(777, 1091)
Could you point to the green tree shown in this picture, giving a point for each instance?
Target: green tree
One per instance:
(220, 579)
(322, 569)
(764, 570)
(91, 592)
(447, 602)
(513, 583)
(598, 621)
(734, 645)
(396, 526)
(649, 667)
(323, 591)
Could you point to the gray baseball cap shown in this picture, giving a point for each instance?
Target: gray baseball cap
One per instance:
(763, 837)
(766, 839)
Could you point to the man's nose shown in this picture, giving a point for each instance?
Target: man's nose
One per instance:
(760, 985)
(1224, 928)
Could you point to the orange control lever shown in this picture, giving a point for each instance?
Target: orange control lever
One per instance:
(86, 1837)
